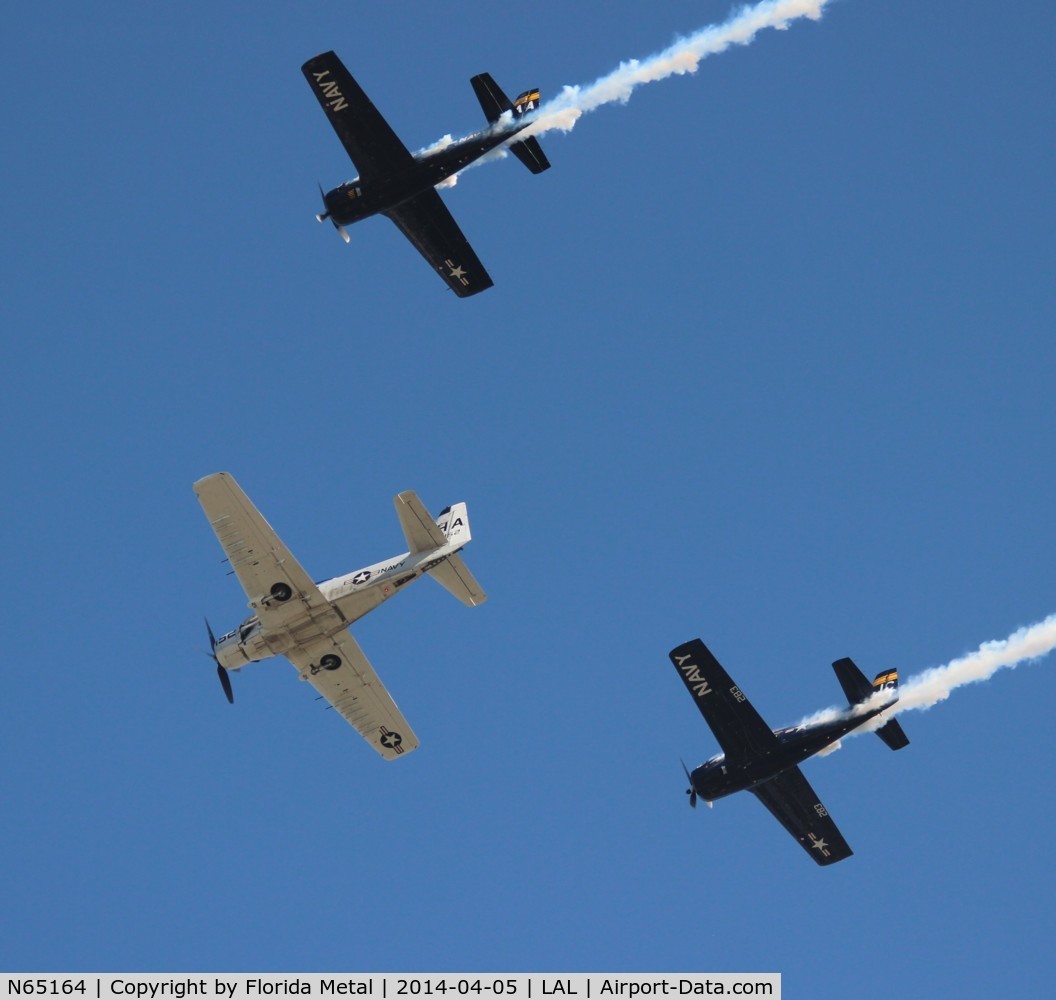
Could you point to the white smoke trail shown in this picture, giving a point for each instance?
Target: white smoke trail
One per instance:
(926, 689)
(1022, 646)
(684, 56)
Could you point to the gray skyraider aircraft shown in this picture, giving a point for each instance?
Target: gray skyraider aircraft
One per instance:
(765, 761)
(308, 622)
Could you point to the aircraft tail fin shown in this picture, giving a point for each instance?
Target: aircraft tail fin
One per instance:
(528, 101)
(453, 523)
(495, 103)
(890, 732)
(858, 689)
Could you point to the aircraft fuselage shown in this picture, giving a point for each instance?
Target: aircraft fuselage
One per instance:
(350, 597)
(358, 200)
(716, 778)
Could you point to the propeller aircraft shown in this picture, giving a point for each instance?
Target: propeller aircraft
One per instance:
(401, 185)
(308, 622)
(765, 762)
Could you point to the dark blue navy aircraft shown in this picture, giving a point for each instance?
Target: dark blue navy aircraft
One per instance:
(400, 184)
(765, 761)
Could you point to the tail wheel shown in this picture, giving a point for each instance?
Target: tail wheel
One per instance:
(330, 662)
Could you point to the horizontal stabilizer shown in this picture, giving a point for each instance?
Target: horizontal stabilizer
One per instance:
(855, 684)
(454, 576)
(421, 531)
(493, 101)
(531, 154)
(893, 735)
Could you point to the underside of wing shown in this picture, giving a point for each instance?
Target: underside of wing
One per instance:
(278, 588)
(738, 727)
(338, 670)
(367, 137)
(798, 809)
(427, 223)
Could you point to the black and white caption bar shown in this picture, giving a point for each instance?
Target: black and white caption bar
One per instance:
(389, 986)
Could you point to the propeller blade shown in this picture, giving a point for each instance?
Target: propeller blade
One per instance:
(225, 683)
(225, 680)
(212, 638)
(325, 213)
(691, 791)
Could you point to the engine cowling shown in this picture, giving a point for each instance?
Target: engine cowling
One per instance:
(241, 645)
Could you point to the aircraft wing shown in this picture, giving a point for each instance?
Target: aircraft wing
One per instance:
(278, 588)
(799, 810)
(738, 727)
(338, 670)
(426, 222)
(368, 139)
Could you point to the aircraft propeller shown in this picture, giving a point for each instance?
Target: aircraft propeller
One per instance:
(225, 680)
(691, 791)
(325, 214)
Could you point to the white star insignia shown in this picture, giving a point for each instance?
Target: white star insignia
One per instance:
(458, 272)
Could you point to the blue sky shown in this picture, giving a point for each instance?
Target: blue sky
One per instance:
(768, 360)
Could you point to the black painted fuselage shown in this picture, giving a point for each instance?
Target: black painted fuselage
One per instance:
(719, 777)
(358, 200)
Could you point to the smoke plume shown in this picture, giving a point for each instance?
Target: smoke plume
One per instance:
(936, 684)
(684, 56)
(1022, 646)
